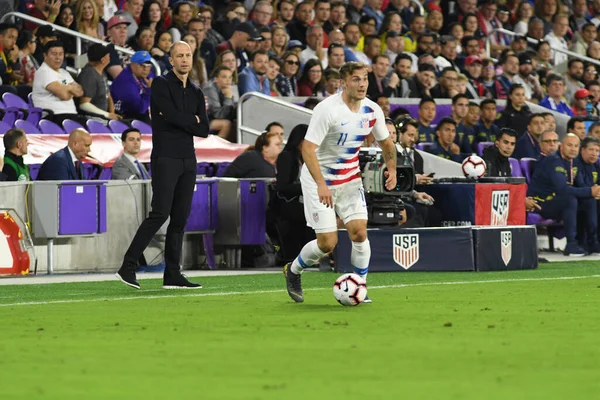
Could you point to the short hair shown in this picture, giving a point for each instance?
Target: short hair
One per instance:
(444, 121)
(348, 25)
(573, 61)
(202, 9)
(426, 100)
(195, 19)
(370, 38)
(350, 68)
(311, 102)
(533, 116)
(459, 96)
(465, 40)
(24, 38)
(331, 74)
(554, 77)
(402, 56)
(403, 122)
(504, 58)
(4, 27)
(547, 114)
(127, 132)
(573, 121)
(336, 4)
(178, 5)
(378, 56)
(594, 125)
(507, 131)
(589, 84)
(280, 2)
(12, 137)
(557, 16)
(272, 124)
(446, 39)
(426, 67)
(589, 141)
(486, 102)
(256, 53)
(51, 44)
(364, 19)
(312, 28)
(333, 46)
(514, 87)
(473, 104)
(446, 70)
(218, 70)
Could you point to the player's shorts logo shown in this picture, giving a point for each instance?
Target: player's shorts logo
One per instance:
(500, 204)
(406, 249)
(506, 246)
(315, 217)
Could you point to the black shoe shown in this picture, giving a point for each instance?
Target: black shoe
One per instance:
(179, 282)
(367, 300)
(127, 277)
(294, 283)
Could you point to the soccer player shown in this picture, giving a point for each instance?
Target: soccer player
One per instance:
(330, 178)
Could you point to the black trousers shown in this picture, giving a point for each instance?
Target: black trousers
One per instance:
(173, 181)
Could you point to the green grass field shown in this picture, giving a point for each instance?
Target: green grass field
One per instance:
(506, 335)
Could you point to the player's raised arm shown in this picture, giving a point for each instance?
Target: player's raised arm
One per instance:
(309, 155)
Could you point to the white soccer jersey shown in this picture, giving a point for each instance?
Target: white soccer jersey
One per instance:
(340, 133)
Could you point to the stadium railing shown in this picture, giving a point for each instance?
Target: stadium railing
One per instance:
(78, 38)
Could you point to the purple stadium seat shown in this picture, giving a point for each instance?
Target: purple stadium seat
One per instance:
(483, 145)
(50, 127)
(3, 127)
(26, 126)
(11, 114)
(204, 168)
(527, 166)
(515, 167)
(30, 100)
(222, 168)
(142, 126)
(424, 146)
(34, 170)
(117, 126)
(34, 114)
(69, 125)
(94, 126)
(106, 174)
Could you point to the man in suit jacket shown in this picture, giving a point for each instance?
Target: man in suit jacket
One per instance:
(65, 164)
(127, 165)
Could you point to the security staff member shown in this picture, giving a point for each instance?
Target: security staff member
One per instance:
(589, 170)
(178, 114)
(556, 185)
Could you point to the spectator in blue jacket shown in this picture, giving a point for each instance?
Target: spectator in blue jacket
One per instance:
(444, 146)
(131, 88)
(588, 168)
(555, 85)
(253, 78)
(66, 164)
(557, 186)
(528, 144)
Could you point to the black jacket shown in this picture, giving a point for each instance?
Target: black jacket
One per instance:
(297, 30)
(250, 164)
(174, 110)
(373, 91)
(417, 90)
(288, 180)
(417, 163)
(497, 164)
(517, 120)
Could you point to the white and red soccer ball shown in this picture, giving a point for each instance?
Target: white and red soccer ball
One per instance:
(474, 167)
(350, 290)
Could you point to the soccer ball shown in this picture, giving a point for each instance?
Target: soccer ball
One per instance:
(350, 290)
(474, 167)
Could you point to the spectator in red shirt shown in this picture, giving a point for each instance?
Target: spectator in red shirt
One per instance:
(46, 10)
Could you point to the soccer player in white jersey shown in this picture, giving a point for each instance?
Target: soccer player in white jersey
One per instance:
(330, 178)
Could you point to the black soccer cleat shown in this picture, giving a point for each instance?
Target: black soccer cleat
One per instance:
(367, 300)
(179, 282)
(128, 278)
(294, 283)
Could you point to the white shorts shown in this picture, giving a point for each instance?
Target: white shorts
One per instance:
(348, 203)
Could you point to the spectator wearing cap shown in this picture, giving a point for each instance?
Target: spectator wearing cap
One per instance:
(510, 67)
(132, 11)
(411, 38)
(556, 38)
(253, 78)
(516, 113)
(574, 78)
(96, 99)
(335, 56)
(496, 156)
(132, 88)
(314, 48)
(528, 144)
(182, 14)
(448, 56)
(44, 34)
(240, 40)
(473, 68)
(555, 86)
(352, 36)
(286, 82)
(528, 78)
(53, 87)
(444, 145)
(298, 26)
(296, 47)
(422, 82)
(583, 38)
(117, 33)
(337, 17)
(46, 10)
(379, 83)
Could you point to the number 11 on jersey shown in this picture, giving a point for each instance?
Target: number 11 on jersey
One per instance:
(342, 139)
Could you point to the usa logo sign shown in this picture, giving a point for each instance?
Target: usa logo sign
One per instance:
(506, 246)
(406, 250)
(500, 204)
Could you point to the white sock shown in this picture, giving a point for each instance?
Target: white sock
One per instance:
(359, 258)
(309, 256)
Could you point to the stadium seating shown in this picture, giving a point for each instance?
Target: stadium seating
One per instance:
(117, 126)
(483, 145)
(26, 126)
(30, 113)
(97, 127)
(527, 165)
(69, 125)
(34, 170)
(424, 146)
(204, 168)
(141, 126)
(11, 114)
(4, 127)
(222, 168)
(50, 127)
(515, 167)
(106, 174)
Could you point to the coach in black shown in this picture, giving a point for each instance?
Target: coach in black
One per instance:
(178, 114)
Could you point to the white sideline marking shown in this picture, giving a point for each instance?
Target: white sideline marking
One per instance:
(34, 303)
